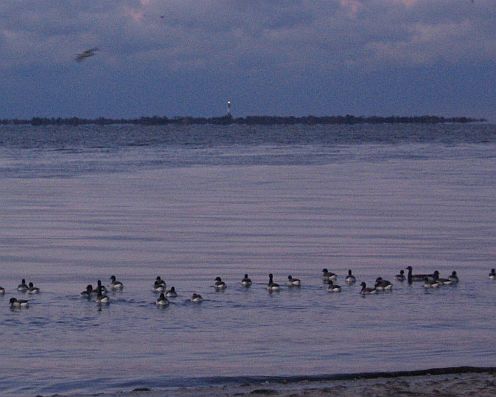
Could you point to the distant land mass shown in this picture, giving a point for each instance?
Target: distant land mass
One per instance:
(248, 120)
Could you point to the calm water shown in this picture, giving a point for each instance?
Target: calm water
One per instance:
(190, 203)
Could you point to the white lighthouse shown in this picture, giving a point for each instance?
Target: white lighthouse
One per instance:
(229, 109)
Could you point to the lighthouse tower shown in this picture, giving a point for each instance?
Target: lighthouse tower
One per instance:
(229, 109)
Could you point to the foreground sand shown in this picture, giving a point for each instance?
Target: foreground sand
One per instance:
(458, 383)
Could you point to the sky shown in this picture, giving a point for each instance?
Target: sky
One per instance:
(269, 57)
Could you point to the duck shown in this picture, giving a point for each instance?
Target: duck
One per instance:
(333, 287)
(383, 285)
(162, 300)
(327, 275)
(272, 286)
(22, 287)
(441, 281)
(350, 278)
(293, 282)
(2, 291)
(101, 298)
(100, 289)
(32, 289)
(246, 281)
(492, 274)
(18, 303)
(171, 293)
(430, 283)
(219, 284)
(196, 298)
(365, 290)
(159, 285)
(453, 277)
(115, 285)
(88, 291)
(417, 277)
(401, 276)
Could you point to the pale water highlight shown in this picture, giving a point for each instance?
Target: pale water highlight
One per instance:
(195, 202)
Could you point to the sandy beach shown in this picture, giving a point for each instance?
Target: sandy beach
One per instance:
(448, 382)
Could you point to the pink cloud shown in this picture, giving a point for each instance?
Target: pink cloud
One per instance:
(352, 6)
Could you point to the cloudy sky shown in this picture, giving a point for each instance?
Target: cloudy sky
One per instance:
(277, 57)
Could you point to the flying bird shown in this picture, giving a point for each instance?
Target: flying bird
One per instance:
(86, 54)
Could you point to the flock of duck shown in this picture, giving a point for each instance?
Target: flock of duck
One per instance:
(432, 280)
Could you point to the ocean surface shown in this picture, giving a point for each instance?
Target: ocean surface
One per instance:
(190, 203)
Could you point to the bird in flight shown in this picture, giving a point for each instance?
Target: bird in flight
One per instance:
(86, 54)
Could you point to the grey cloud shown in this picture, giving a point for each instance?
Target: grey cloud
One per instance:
(196, 34)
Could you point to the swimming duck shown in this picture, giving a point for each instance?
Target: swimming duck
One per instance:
(100, 298)
(88, 291)
(327, 275)
(246, 281)
(417, 277)
(196, 298)
(430, 283)
(441, 281)
(350, 278)
(400, 277)
(171, 293)
(162, 300)
(159, 282)
(32, 289)
(383, 285)
(453, 277)
(219, 284)
(18, 303)
(100, 289)
(293, 282)
(159, 285)
(23, 287)
(333, 287)
(272, 286)
(114, 284)
(492, 274)
(2, 290)
(365, 290)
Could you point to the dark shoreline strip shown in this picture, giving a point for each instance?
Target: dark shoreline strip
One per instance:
(248, 120)
(354, 376)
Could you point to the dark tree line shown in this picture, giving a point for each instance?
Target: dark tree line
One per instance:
(249, 120)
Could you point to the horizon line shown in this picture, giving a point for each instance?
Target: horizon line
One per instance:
(253, 119)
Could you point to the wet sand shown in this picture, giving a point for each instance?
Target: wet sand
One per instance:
(449, 382)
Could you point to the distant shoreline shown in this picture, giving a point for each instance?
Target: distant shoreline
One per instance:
(249, 120)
